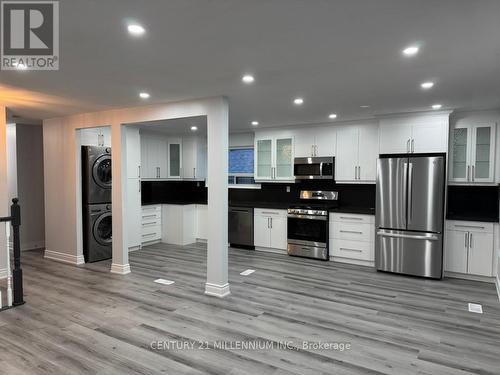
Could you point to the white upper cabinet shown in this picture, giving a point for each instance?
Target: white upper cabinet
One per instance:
(316, 141)
(153, 156)
(416, 134)
(273, 158)
(357, 152)
(194, 158)
(174, 158)
(472, 153)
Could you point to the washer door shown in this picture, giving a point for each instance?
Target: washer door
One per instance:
(101, 171)
(102, 229)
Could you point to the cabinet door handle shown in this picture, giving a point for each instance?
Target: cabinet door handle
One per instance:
(139, 171)
(359, 172)
(356, 250)
(472, 174)
(351, 231)
(468, 172)
(351, 218)
(268, 223)
(194, 172)
(466, 236)
(139, 186)
(408, 145)
(271, 223)
(470, 240)
(412, 145)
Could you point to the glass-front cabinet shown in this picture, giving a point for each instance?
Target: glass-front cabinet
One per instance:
(274, 158)
(472, 153)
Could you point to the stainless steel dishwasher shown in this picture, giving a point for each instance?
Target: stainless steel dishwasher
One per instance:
(240, 227)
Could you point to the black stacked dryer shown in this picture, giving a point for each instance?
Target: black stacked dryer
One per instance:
(96, 194)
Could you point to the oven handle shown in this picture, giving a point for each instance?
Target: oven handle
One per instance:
(321, 169)
(308, 217)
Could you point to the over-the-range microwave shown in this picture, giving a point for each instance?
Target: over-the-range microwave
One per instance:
(314, 168)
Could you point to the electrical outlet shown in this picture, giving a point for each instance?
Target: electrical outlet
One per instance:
(288, 189)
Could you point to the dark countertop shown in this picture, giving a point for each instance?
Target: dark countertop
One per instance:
(354, 210)
(484, 219)
(180, 203)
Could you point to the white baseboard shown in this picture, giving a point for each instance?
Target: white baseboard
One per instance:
(120, 269)
(456, 275)
(217, 290)
(134, 248)
(357, 262)
(75, 260)
(497, 283)
(3, 273)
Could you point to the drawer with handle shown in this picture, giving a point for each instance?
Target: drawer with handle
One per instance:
(352, 231)
(352, 249)
(352, 218)
(270, 212)
(150, 233)
(469, 226)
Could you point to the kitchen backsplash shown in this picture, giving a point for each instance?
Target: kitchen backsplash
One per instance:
(473, 203)
(351, 195)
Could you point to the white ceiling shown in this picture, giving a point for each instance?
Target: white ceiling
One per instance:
(336, 54)
(179, 126)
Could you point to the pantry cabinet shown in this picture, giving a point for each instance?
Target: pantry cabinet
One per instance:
(270, 228)
(274, 158)
(357, 153)
(418, 134)
(469, 248)
(318, 141)
(472, 153)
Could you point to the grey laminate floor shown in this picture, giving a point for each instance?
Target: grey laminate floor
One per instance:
(86, 320)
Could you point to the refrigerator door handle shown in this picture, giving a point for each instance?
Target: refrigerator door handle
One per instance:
(410, 192)
(409, 236)
(405, 189)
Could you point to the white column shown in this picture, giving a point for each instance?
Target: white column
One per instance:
(4, 204)
(218, 145)
(120, 263)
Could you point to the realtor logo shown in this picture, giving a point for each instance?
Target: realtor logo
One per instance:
(30, 35)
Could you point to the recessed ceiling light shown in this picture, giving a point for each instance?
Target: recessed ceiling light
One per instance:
(436, 106)
(298, 101)
(410, 51)
(136, 29)
(247, 78)
(194, 128)
(427, 85)
(332, 116)
(364, 106)
(255, 123)
(144, 95)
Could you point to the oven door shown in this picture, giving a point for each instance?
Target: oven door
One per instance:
(308, 230)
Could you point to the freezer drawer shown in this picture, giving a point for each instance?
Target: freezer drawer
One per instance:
(411, 253)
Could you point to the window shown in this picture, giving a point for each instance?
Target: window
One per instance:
(241, 162)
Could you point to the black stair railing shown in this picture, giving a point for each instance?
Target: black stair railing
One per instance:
(17, 272)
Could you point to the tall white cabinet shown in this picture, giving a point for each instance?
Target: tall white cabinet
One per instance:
(472, 153)
(194, 158)
(357, 153)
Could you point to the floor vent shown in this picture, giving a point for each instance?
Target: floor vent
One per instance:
(247, 272)
(164, 282)
(475, 308)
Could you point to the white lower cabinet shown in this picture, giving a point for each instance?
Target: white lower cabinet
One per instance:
(179, 224)
(270, 228)
(469, 248)
(151, 224)
(352, 238)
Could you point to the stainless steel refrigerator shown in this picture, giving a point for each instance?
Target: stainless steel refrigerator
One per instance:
(409, 215)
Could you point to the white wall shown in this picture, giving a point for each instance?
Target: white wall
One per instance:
(241, 139)
(29, 150)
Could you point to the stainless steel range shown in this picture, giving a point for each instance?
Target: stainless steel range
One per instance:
(308, 224)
